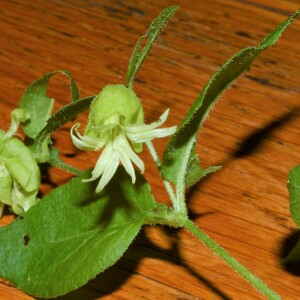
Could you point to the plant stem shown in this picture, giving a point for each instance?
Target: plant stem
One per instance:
(233, 263)
(166, 183)
(181, 220)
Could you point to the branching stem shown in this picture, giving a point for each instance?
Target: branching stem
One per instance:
(177, 218)
(166, 183)
(232, 262)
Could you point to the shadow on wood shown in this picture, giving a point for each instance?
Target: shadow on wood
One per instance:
(113, 278)
(252, 143)
(286, 247)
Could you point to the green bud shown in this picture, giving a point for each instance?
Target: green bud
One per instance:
(115, 99)
(19, 173)
(115, 105)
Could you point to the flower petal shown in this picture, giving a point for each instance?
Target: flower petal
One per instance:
(125, 148)
(125, 158)
(102, 161)
(85, 142)
(109, 171)
(144, 133)
(138, 128)
(143, 137)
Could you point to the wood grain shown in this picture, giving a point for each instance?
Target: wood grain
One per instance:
(253, 131)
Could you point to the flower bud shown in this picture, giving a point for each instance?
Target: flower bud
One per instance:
(19, 172)
(115, 99)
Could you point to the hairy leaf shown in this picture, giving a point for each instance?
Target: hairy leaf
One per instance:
(57, 120)
(180, 149)
(39, 105)
(294, 192)
(139, 55)
(195, 172)
(73, 234)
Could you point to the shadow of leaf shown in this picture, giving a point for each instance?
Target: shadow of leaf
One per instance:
(254, 141)
(251, 144)
(287, 246)
(113, 278)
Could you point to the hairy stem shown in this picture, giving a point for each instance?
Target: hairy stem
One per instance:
(177, 218)
(233, 263)
(166, 183)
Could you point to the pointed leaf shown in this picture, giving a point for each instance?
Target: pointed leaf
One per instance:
(139, 55)
(63, 115)
(294, 192)
(195, 173)
(181, 146)
(73, 234)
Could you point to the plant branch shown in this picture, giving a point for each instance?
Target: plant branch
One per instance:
(232, 262)
(166, 183)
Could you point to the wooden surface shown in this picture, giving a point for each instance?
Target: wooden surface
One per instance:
(254, 131)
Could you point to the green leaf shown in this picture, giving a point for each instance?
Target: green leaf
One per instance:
(73, 234)
(195, 172)
(180, 149)
(55, 161)
(294, 193)
(139, 55)
(35, 101)
(63, 115)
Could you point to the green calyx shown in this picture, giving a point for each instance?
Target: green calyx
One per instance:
(115, 99)
(116, 105)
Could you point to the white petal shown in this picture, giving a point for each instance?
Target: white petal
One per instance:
(125, 159)
(85, 142)
(152, 134)
(126, 148)
(144, 133)
(141, 128)
(109, 171)
(103, 160)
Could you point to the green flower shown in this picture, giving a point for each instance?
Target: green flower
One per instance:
(116, 123)
(19, 172)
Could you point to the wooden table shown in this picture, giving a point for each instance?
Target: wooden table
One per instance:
(254, 131)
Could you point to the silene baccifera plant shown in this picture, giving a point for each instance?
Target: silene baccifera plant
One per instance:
(83, 227)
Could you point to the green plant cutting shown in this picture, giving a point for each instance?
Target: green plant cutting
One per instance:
(61, 241)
